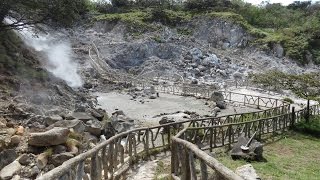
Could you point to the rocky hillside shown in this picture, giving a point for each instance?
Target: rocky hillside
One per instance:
(208, 48)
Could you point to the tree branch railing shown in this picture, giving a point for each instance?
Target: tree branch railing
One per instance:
(185, 152)
(113, 157)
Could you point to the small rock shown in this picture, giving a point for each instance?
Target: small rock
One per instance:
(10, 170)
(34, 171)
(20, 130)
(24, 159)
(54, 136)
(58, 159)
(153, 97)
(247, 172)
(59, 149)
(15, 140)
(221, 104)
(11, 131)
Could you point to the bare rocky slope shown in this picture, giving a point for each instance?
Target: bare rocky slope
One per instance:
(208, 50)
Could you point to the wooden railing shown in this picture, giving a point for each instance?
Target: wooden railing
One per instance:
(184, 146)
(113, 157)
(184, 157)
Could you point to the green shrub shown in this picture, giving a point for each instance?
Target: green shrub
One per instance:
(311, 128)
(286, 99)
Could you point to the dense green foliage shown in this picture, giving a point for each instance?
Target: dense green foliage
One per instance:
(311, 128)
(29, 12)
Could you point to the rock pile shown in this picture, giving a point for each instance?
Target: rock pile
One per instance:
(42, 143)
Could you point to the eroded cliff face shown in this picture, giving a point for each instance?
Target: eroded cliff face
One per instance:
(208, 50)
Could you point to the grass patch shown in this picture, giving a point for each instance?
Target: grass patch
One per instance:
(292, 156)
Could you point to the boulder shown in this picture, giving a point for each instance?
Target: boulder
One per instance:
(52, 119)
(11, 169)
(196, 53)
(254, 153)
(217, 96)
(77, 125)
(14, 140)
(24, 159)
(83, 116)
(94, 127)
(58, 159)
(211, 60)
(97, 114)
(221, 104)
(7, 156)
(123, 127)
(153, 96)
(55, 136)
(247, 172)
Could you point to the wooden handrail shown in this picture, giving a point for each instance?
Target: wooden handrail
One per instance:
(72, 163)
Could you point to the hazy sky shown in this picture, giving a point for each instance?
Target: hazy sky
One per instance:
(284, 2)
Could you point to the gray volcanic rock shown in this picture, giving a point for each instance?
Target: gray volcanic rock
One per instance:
(10, 170)
(7, 156)
(55, 136)
(247, 172)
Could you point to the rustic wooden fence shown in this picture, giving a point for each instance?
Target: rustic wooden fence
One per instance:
(184, 150)
(113, 157)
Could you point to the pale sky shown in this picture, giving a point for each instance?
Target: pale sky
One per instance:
(283, 2)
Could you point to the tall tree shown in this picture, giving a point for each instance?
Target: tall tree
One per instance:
(29, 12)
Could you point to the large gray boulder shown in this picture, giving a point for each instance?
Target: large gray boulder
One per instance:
(221, 104)
(211, 60)
(55, 136)
(7, 156)
(10, 170)
(196, 54)
(247, 172)
(217, 96)
(94, 127)
(254, 153)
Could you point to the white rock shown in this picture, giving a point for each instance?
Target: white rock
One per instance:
(10, 170)
(247, 172)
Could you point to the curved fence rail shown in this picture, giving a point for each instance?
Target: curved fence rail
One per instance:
(113, 157)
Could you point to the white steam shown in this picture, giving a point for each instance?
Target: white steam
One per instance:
(59, 54)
